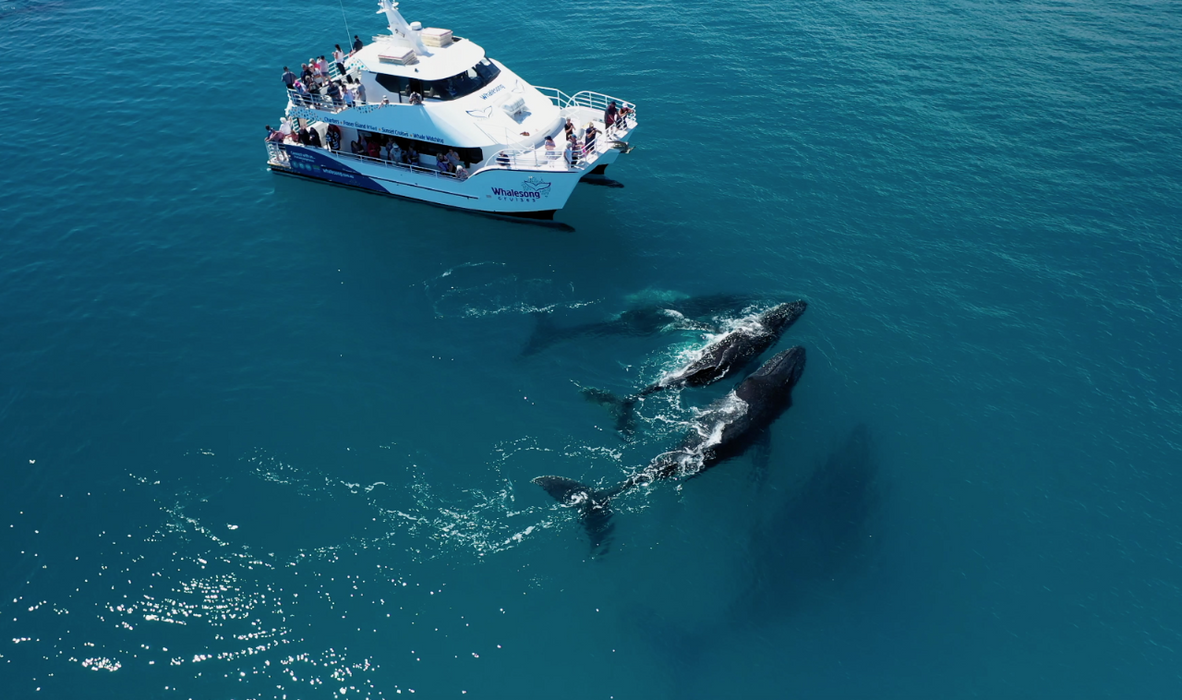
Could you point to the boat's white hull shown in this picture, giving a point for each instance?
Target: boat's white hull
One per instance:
(529, 193)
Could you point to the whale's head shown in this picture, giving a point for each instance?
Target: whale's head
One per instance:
(778, 318)
(783, 371)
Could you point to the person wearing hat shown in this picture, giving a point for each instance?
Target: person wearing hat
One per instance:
(589, 137)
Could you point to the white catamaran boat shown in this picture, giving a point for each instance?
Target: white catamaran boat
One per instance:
(425, 115)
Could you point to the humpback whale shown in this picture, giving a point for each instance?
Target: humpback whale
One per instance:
(648, 320)
(727, 353)
(725, 429)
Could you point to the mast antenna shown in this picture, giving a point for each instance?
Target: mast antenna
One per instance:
(348, 34)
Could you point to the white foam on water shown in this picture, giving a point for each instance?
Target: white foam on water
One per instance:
(480, 289)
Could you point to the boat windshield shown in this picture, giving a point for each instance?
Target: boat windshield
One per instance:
(452, 88)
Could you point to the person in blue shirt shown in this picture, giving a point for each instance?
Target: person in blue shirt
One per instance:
(289, 78)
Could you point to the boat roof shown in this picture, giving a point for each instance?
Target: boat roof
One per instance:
(434, 63)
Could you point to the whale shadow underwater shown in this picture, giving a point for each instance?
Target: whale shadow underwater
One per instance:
(724, 430)
(812, 544)
(680, 314)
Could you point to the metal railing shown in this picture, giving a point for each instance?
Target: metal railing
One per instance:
(510, 158)
(318, 101)
(277, 153)
(550, 160)
(586, 98)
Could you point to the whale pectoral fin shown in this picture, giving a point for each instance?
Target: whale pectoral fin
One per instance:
(546, 333)
(623, 410)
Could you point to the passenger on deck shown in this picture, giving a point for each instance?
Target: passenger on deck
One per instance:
(361, 93)
(289, 78)
(461, 172)
(569, 154)
(305, 73)
(322, 66)
(415, 98)
(358, 146)
(410, 156)
(357, 44)
(503, 159)
(274, 136)
(589, 138)
(393, 152)
(441, 163)
(453, 158)
(347, 95)
(312, 138)
(332, 137)
(622, 121)
(338, 57)
(334, 92)
(610, 115)
(551, 152)
(373, 149)
(303, 96)
(569, 127)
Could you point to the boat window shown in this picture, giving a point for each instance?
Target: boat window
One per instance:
(451, 88)
(394, 83)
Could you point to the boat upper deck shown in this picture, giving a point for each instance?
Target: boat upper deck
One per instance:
(383, 56)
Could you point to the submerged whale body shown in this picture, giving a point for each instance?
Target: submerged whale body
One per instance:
(724, 430)
(648, 320)
(722, 356)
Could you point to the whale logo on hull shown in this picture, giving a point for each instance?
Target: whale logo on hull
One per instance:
(535, 185)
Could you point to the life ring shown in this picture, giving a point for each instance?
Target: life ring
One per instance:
(333, 136)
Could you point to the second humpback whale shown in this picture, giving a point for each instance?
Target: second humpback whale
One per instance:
(727, 353)
(725, 429)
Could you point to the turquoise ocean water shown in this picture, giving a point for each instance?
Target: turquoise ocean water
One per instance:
(265, 438)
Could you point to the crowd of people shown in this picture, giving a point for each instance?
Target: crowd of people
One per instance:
(315, 85)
